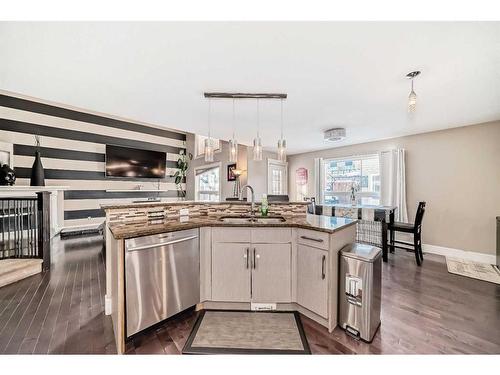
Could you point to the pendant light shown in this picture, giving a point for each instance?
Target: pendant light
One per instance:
(209, 146)
(281, 141)
(233, 144)
(257, 142)
(412, 98)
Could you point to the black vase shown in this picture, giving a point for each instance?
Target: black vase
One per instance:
(37, 172)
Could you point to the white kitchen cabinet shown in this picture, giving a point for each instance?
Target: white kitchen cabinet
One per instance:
(271, 273)
(263, 277)
(231, 272)
(312, 279)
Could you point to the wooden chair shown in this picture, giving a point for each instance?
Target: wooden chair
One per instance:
(415, 228)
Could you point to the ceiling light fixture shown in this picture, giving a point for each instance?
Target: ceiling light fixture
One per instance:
(335, 134)
(233, 143)
(209, 145)
(257, 142)
(281, 141)
(412, 98)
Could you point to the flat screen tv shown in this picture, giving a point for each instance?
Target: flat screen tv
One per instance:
(134, 163)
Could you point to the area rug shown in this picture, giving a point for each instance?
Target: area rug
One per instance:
(247, 332)
(475, 270)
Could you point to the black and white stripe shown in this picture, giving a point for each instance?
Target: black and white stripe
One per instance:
(73, 154)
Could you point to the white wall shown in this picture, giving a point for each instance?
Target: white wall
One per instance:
(257, 172)
(221, 157)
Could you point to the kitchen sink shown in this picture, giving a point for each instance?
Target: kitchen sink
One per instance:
(236, 220)
(252, 220)
(269, 219)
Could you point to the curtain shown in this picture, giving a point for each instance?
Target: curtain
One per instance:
(393, 182)
(318, 170)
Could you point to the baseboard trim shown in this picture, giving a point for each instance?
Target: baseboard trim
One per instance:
(457, 253)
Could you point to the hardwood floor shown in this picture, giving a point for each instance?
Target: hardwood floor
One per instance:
(424, 310)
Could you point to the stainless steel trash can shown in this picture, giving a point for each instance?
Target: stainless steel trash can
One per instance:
(360, 290)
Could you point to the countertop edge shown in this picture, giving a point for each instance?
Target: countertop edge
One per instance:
(185, 226)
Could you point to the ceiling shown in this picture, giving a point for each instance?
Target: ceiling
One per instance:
(347, 74)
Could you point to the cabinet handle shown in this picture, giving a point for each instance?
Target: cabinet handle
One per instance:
(254, 261)
(311, 239)
(248, 256)
(323, 261)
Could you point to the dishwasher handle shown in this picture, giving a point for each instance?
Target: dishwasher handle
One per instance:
(150, 246)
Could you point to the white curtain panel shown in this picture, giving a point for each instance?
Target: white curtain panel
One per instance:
(393, 182)
(318, 170)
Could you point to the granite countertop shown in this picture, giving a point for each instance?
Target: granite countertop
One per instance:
(181, 203)
(328, 224)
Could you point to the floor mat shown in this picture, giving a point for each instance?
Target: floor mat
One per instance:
(247, 332)
(475, 270)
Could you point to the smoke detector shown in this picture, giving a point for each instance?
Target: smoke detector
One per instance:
(335, 134)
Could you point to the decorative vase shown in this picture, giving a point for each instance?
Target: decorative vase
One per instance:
(7, 176)
(37, 172)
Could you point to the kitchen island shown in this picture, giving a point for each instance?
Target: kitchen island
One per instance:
(216, 256)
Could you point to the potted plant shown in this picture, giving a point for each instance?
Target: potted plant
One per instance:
(180, 174)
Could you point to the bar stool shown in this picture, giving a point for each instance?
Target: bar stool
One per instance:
(415, 228)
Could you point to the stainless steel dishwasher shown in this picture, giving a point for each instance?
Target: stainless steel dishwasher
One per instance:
(162, 277)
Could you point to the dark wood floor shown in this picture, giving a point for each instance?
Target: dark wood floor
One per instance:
(424, 310)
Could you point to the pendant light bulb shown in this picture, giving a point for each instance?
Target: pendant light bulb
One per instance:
(209, 146)
(233, 144)
(282, 141)
(257, 142)
(412, 98)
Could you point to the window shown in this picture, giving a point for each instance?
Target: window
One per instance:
(276, 177)
(338, 176)
(199, 145)
(207, 183)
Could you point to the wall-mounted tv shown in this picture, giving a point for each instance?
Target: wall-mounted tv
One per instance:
(134, 163)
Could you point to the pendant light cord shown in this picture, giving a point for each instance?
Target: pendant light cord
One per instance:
(258, 118)
(281, 114)
(209, 117)
(234, 120)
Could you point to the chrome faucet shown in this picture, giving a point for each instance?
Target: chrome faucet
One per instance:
(252, 207)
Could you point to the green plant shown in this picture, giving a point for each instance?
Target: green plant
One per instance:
(180, 174)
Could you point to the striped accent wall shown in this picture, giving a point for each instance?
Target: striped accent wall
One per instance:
(73, 154)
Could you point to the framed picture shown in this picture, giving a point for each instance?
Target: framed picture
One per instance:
(230, 172)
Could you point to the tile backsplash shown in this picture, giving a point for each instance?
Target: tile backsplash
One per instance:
(170, 211)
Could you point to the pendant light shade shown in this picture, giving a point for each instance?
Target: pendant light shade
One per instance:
(257, 149)
(233, 144)
(233, 151)
(412, 98)
(209, 145)
(209, 150)
(257, 142)
(282, 141)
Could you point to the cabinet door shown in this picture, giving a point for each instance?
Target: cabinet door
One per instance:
(230, 272)
(271, 275)
(312, 279)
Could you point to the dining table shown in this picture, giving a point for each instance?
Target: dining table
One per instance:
(371, 219)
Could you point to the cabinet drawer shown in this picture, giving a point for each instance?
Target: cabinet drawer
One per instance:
(313, 238)
(234, 235)
(271, 235)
